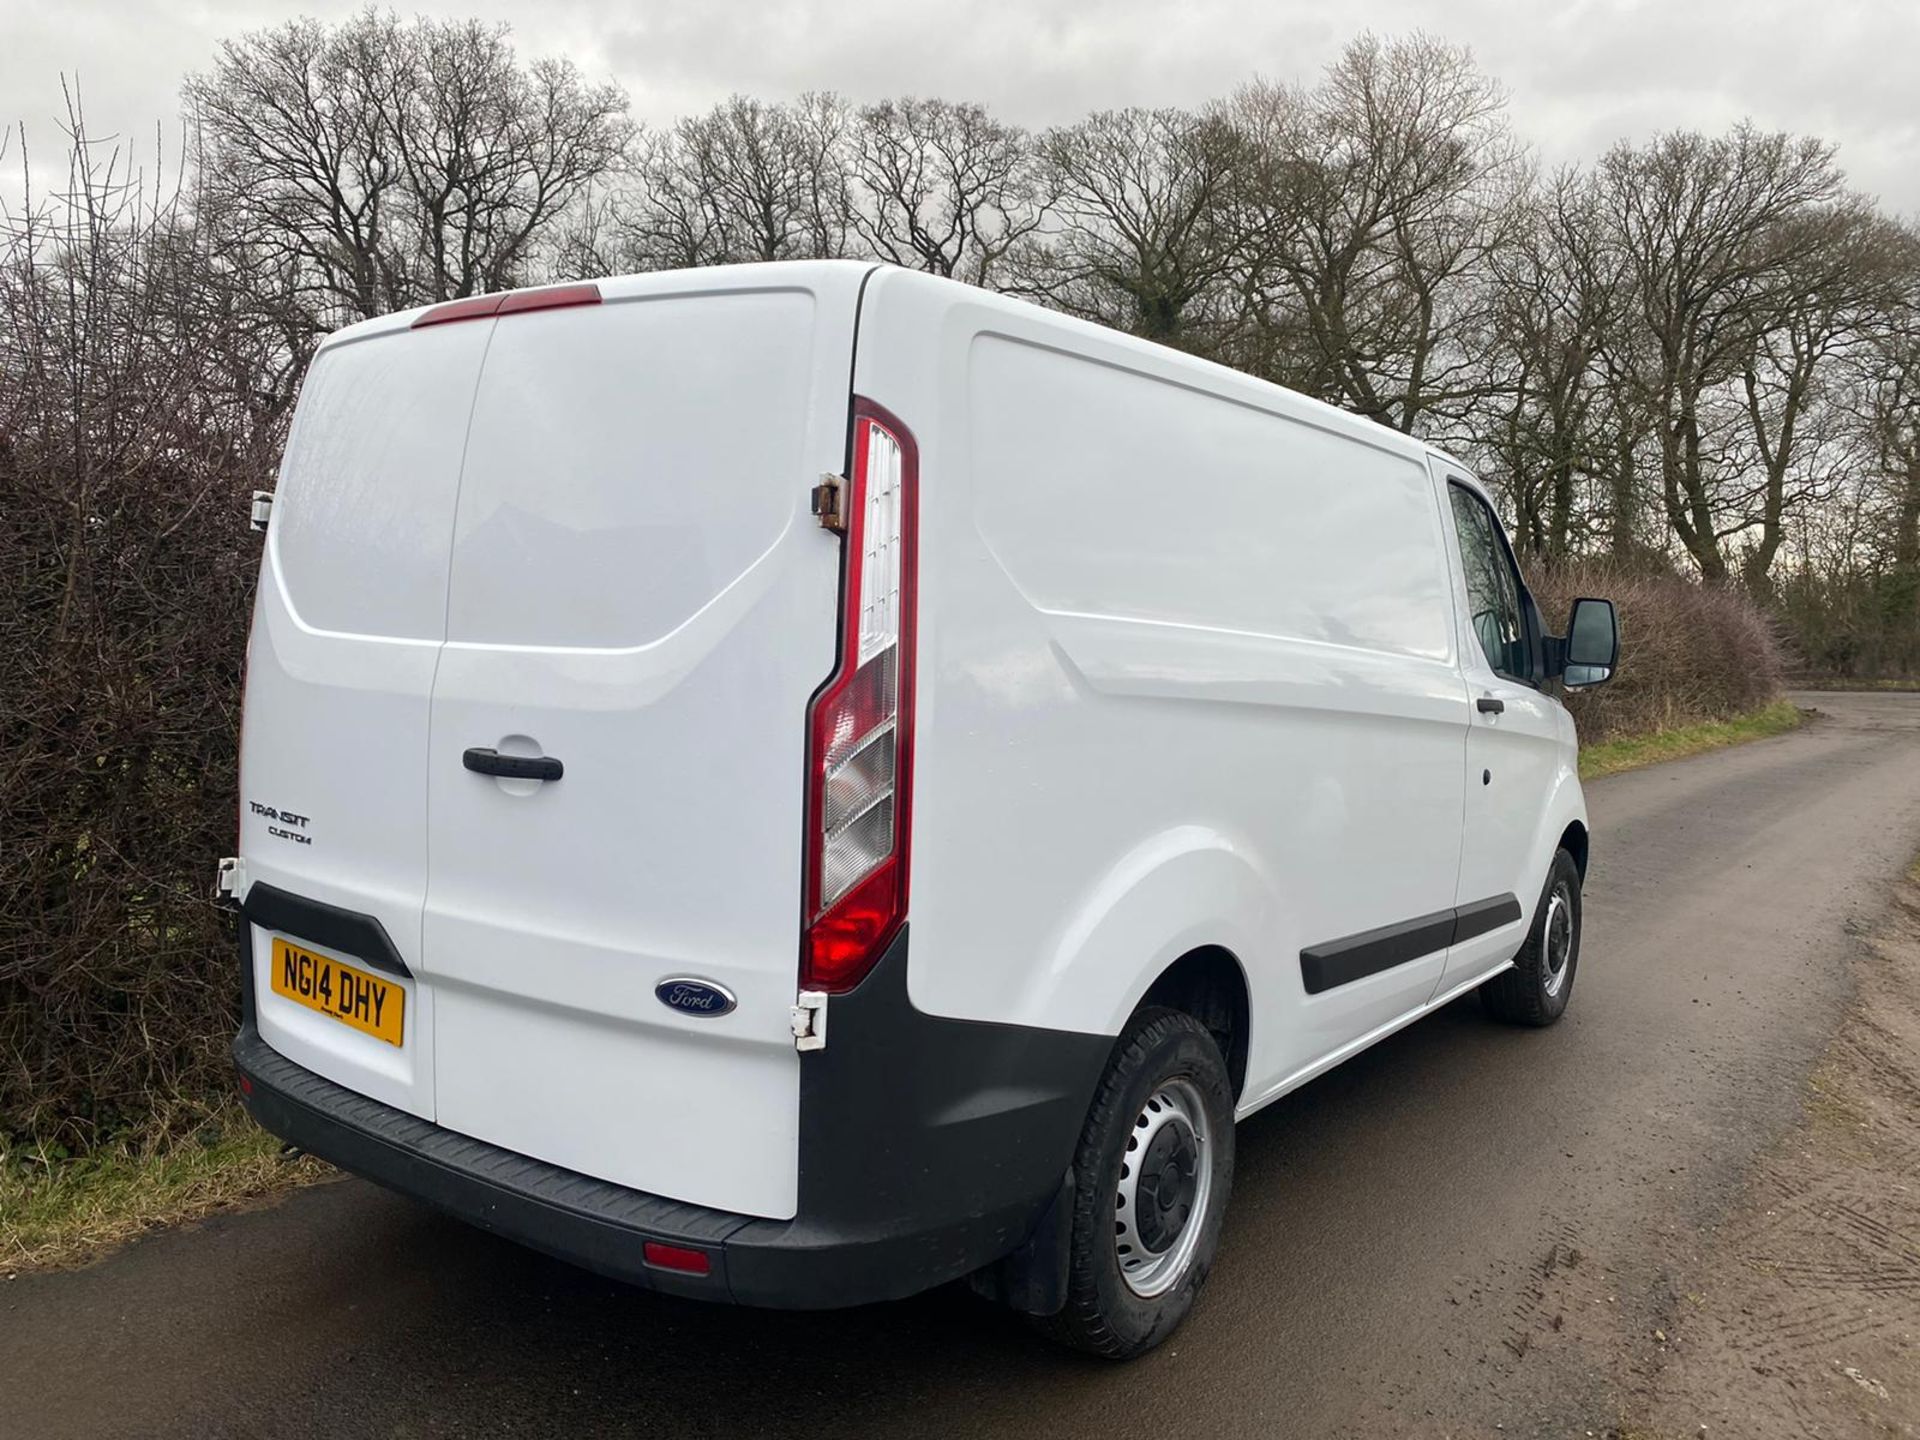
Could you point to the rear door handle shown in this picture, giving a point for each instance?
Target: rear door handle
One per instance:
(512, 767)
(1486, 705)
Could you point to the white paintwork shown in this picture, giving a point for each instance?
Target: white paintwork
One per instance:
(608, 559)
(1193, 670)
(347, 625)
(639, 590)
(1513, 821)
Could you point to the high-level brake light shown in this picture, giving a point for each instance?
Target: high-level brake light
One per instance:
(860, 731)
(509, 302)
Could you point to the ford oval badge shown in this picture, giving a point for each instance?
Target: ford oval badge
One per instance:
(694, 997)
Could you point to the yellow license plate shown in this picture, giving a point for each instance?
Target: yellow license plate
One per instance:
(340, 991)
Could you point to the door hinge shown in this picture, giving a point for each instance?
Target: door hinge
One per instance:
(230, 882)
(829, 502)
(262, 509)
(810, 1021)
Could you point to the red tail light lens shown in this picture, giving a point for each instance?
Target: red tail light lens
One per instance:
(860, 731)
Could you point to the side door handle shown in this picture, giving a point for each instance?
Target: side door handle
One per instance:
(512, 767)
(1486, 705)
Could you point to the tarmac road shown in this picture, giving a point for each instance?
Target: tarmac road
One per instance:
(1467, 1227)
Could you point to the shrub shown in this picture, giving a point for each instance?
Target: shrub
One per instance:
(1689, 653)
(140, 401)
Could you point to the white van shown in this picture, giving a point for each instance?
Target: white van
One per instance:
(794, 784)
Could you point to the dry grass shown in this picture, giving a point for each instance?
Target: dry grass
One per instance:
(58, 1210)
(1630, 752)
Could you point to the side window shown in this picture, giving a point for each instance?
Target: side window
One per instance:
(1493, 587)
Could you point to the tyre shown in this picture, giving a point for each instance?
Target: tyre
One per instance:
(1535, 990)
(1152, 1175)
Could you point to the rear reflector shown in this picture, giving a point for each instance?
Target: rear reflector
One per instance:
(511, 302)
(675, 1257)
(860, 731)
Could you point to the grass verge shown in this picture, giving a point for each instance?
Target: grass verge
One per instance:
(1610, 757)
(59, 1210)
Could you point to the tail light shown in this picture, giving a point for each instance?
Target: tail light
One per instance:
(860, 730)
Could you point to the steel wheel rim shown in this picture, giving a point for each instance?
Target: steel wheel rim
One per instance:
(1166, 1184)
(1556, 941)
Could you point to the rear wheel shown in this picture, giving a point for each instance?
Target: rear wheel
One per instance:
(1536, 989)
(1153, 1171)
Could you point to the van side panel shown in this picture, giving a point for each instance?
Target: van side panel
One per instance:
(1187, 677)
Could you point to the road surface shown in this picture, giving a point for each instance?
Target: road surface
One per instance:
(1469, 1227)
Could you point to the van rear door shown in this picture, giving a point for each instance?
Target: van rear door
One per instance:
(346, 632)
(639, 592)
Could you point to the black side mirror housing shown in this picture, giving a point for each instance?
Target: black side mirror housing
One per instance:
(1590, 651)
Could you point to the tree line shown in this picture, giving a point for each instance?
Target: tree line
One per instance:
(1699, 349)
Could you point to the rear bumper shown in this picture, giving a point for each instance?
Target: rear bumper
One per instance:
(930, 1149)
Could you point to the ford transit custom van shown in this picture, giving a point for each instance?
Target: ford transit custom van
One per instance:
(796, 784)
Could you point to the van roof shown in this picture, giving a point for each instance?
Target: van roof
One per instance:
(1220, 378)
(713, 279)
(827, 275)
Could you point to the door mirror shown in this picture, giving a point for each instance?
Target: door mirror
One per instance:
(1592, 646)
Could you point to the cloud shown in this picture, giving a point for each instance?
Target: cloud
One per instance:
(1581, 75)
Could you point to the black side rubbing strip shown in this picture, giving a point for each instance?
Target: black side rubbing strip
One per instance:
(1354, 957)
(1340, 962)
(328, 926)
(1484, 915)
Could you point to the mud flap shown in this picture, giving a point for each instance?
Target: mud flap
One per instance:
(1033, 1279)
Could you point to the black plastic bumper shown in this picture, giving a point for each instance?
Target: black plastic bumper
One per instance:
(929, 1149)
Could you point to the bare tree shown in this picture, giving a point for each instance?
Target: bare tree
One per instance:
(1369, 206)
(943, 187)
(1890, 369)
(1554, 303)
(1707, 233)
(1140, 230)
(1840, 274)
(392, 164)
(746, 181)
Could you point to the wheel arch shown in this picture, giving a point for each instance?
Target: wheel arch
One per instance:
(1210, 984)
(1573, 840)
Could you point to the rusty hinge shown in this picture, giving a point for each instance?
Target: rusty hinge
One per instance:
(829, 502)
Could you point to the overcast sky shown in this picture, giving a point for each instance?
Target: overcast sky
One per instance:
(1581, 73)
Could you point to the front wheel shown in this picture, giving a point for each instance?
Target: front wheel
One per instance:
(1536, 989)
(1152, 1175)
